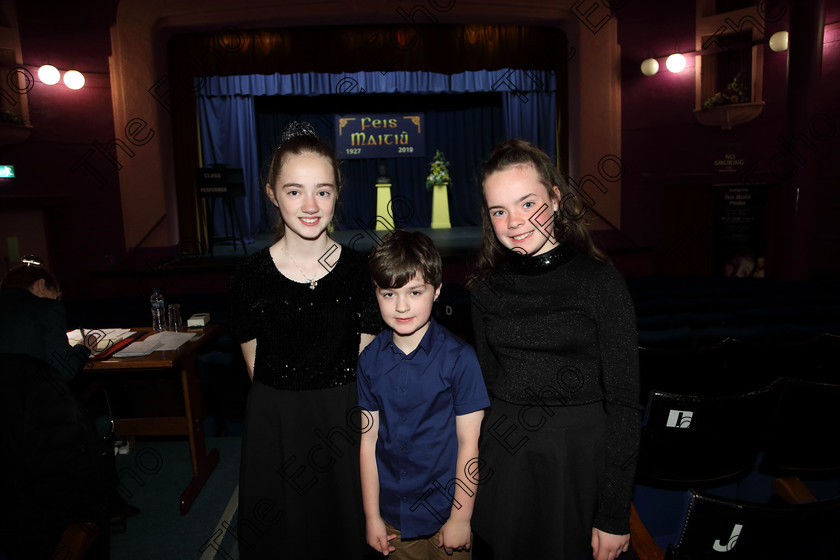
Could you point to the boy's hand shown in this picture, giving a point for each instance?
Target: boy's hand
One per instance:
(378, 537)
(455, 535)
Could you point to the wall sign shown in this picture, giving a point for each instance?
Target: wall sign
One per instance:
(738, 232)
(728, 158)
(380, 135)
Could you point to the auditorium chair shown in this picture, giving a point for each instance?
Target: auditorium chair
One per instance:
(691, 441)
(814, 358)
(716, 527)
(699, 442)
(803, 441)
(722, 367)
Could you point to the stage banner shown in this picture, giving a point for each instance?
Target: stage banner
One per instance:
(380, 135)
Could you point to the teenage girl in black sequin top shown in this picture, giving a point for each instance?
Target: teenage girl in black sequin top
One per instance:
(301, 309)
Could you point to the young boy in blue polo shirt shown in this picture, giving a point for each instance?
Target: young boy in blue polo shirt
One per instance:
(423, 398)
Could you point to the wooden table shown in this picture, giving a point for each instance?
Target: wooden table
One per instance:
(182, 361)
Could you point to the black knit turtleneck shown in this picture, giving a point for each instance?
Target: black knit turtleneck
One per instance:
(564, 322)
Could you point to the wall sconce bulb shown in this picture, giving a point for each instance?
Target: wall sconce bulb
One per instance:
(74, 79)
(650, 66)
(49, 74)
(675, 63)
(779, 41)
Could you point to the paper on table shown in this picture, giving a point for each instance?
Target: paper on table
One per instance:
(139, 348)
(165, 340)
(105, 338)
(172, 340)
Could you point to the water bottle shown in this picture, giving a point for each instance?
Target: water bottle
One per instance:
(158, 310)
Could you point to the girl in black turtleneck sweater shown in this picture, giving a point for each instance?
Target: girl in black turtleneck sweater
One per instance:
(555, 335)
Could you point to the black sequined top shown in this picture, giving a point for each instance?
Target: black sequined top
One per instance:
(560, 328)
(306, 338)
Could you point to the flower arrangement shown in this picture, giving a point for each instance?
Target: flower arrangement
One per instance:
(438, 171)
(735, 92)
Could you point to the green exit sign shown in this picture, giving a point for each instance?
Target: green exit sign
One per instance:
(7, 171)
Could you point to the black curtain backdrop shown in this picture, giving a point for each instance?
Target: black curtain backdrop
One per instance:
(464, 127)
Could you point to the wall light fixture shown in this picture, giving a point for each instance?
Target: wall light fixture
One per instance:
(675, 63)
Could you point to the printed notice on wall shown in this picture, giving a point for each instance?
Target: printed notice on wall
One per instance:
(728, 158)
(739, 230)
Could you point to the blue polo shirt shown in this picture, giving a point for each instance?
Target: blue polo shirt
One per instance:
(418, 396)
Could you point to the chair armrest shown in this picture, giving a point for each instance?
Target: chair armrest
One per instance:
(643, 544)
(792, 490)
(76, 540)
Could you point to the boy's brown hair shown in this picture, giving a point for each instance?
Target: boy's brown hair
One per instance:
(400, 256)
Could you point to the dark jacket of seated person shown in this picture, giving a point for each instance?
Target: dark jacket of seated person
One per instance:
(55, 469)
(34, 322)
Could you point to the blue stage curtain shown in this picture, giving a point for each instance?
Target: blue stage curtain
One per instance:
(464, 136)
(531, 116)
(228, 136)
(505, 80)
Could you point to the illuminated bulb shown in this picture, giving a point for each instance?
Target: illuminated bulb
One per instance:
(49, 74)
(74, 79)
(779, 41)
(675, 63)
(650, 66)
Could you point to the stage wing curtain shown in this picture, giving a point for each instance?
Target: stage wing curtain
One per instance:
(228, 136)
(528, 107)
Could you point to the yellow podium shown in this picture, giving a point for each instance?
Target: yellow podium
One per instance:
(383, 200)
(440, 207)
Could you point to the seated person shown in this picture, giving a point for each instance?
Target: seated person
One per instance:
(57, 470)
(34, 322)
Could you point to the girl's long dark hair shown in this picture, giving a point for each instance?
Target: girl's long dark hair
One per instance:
(569, 224)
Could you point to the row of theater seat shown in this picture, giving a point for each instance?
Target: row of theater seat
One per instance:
(715, 439)
(731, 365)
(708, 466)
(689, 312)
(713, 527)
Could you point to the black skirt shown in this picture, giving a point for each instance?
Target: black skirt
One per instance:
(299, 490)
(541, 473)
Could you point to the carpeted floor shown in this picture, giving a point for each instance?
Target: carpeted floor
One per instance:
(152, 477)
